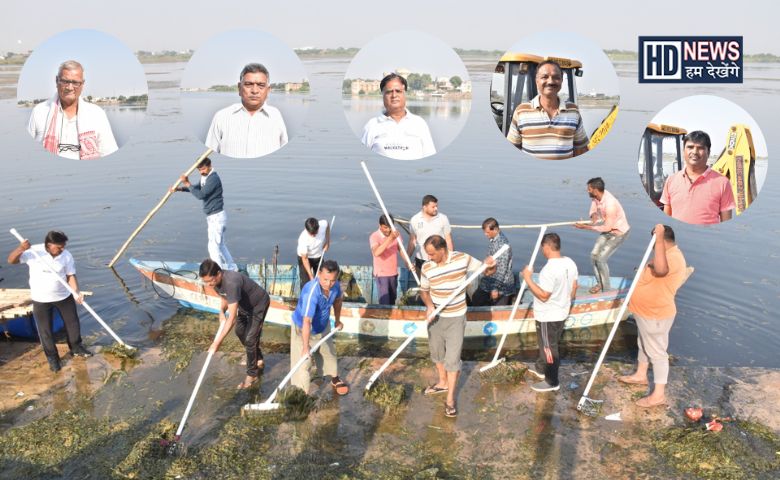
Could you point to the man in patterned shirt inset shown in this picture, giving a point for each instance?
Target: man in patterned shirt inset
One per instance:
(495, 289)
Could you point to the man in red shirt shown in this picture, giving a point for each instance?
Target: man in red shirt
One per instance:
(384, 249)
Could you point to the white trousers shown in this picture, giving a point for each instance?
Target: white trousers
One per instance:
(218, 251)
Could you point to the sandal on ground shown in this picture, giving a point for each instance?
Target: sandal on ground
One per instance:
(244, 385)
(340, 387)
(433, 390)
(645, 403)
(595, 289)
(628, 379)
(450, 411)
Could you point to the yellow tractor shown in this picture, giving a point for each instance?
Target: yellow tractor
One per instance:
(737, 162)
(660, 155)
(514, 82)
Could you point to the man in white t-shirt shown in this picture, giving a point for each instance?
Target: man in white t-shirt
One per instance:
(313, 242)
(553, 295)
(68, 125)
(396, 132)
(251, 128)
(425, 223)
(48, 293)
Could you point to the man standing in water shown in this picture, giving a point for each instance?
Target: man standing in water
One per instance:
(653, 308)
(553, 296)
(69, 126)
(251, 128)
(209, 190)
(607, 218)
(311, 322)
(396, 132)
(246, 304)
(547, 127)
(48, 293)
(443, 273)
(698, 194)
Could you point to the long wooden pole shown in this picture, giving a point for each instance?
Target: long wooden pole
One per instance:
(159, 205)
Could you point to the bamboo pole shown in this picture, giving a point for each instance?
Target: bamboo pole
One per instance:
(159, 205)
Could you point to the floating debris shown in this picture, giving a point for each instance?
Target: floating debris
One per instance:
(505, 372)
(185, 335)
(742, 450)
(386, 395)
(149, 457)
(121, 351)
(296, 403)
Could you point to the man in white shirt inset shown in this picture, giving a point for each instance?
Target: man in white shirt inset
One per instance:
(68, 125)
(251, 128)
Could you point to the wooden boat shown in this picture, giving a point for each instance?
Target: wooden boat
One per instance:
(361, 315)
(16, 317)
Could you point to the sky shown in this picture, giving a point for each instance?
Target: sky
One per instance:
(713, 115)
(494, 25)
(110, 67)
(598, 74)
(219, 60)
(418, 52)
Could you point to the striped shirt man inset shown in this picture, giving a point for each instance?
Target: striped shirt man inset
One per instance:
(556, 138)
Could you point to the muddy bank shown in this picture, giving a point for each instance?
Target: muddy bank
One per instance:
(101, 423)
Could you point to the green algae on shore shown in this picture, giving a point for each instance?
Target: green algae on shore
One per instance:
(386, 395)
(185, 335)
(505, 373)
(742, 450)
(121, 351)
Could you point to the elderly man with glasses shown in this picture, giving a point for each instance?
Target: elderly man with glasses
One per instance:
(68, 125)
(396, 132)
(251, 128)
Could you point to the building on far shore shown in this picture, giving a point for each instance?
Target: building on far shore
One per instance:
(364, 87)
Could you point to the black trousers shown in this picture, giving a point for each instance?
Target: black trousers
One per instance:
(44, 314)
(481, 298)
(548, 334)
(313, 263)
(249, 328)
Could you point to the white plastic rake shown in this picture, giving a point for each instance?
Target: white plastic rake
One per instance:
(498, 361)
(438, 310)
(269, 404)
(92, 312)
(589, 406)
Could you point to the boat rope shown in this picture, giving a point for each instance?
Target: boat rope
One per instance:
(165, 271)
(537, 225)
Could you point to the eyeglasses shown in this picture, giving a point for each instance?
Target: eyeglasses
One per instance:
(72, 83)
(397, 91)
(68, 147)
(259, 85)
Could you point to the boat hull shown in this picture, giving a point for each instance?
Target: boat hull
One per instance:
(361, 318)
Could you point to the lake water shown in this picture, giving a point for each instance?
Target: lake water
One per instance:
(726, 311)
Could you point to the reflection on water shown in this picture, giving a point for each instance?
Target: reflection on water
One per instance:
(726, 311)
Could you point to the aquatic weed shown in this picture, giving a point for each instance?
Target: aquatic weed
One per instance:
(386, 395)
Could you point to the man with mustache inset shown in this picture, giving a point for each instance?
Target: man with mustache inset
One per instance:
(546, 127)
(251, 128)
(698, 194)
(68, 125)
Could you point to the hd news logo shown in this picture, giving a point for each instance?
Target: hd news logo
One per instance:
(690, 59)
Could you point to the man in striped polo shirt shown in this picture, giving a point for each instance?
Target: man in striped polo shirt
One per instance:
(443, 273)
(546, 127)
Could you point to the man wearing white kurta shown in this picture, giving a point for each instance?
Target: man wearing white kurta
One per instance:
(68, 125)
(251, 128)
(396, 132)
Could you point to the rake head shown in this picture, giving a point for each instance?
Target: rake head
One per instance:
(162, 447)
(589, 406)
(264, 408)
(503, 372)
(492, 365)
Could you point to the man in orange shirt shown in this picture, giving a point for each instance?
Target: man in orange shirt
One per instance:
(654, 310)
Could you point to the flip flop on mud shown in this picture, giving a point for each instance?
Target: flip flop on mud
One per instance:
(629, 380)
(339, 386)
(433, 390)
(595, 289)
(244, 385)
(645, 403)
(450, 411)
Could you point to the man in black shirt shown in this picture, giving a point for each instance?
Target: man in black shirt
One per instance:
(246, 304)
